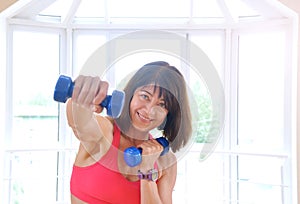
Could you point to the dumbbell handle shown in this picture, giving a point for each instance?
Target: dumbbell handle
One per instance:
(113, 103)
(133, 155)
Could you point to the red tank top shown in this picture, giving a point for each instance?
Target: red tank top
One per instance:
(98, 184)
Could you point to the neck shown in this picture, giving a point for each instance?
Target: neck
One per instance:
(136, 136)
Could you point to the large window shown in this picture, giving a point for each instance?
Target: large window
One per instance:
(33, 152)
(262, 110)
(254, 159)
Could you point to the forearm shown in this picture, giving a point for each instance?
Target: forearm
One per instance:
(149, 192)
(83, 122)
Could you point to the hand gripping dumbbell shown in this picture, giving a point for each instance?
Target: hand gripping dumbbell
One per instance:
(133, 155)
(113, 103)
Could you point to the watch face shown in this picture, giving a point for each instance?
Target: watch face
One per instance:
(153, 175)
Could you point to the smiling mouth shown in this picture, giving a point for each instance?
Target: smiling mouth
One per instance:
(144, 118)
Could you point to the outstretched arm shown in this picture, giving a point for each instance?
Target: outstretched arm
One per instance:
(87, 94)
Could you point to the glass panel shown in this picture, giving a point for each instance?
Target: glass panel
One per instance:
(212, 45)
(33, 131)
(133, 62)
(261, 90)
(33, 172)
(269, 171)
(149, 20)
(91, 9)
(262, 176)
(84, 45)
(259, 193)
(238, 8)
(200, 181)
(125, 11)
(154, 8)
(206, 9)
(35, 71)
(58, 8)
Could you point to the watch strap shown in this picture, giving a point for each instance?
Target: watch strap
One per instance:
(151, 175)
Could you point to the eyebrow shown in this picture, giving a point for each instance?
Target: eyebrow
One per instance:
(146, 91)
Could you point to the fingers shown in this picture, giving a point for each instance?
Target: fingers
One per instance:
(89, 92)
(101, 95)
(150, 154)
(151, 147)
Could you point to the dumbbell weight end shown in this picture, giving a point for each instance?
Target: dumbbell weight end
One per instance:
(133, 155)
(113, 103)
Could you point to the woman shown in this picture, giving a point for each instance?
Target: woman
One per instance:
(156, 97)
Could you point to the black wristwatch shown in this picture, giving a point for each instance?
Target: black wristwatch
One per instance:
(151, 175)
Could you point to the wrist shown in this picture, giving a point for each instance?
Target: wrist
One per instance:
(150, 175)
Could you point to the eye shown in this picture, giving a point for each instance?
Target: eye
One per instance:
(144, 96)
(162, 104)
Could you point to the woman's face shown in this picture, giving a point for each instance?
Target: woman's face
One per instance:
(147, 109)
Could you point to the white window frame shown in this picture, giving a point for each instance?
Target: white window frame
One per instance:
(289, 170)
(229, 74)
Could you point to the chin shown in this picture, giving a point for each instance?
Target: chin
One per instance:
(142, 129)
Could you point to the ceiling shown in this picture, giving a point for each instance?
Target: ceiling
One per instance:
(199, 12)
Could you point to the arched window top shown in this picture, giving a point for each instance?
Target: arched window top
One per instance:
(220, 12)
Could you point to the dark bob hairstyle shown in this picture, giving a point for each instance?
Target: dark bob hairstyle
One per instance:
(177, 127)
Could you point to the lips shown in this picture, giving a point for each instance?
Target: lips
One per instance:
(144, 118)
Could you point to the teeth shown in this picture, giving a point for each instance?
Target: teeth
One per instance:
(144, 117)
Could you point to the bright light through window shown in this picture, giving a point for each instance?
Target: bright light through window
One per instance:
(261, 90)
(35, 118)
(253, 162)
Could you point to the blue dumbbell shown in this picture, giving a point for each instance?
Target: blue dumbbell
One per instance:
(133, 155)
(113, 103)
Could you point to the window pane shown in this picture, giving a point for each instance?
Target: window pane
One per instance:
(261, 99)
(212, 44)
(34, 117)
(33, 177)
(91, 9)
(259, 193)
(84, 45)
(206, 9)
(133, 62)
(154, 8)
(35, 70)
(34, 131)
(239, 8)
(262, 176)
(200, 181)
(58, 8)
(261, 90)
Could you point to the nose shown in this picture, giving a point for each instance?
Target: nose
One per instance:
(150, 107)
